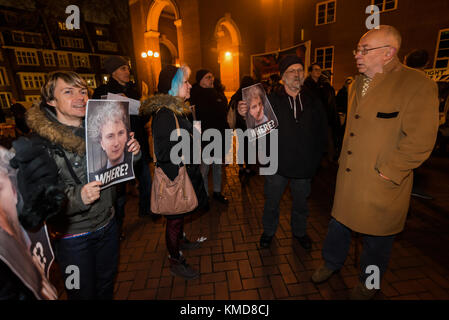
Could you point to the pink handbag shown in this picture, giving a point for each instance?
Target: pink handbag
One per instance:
(172, 197)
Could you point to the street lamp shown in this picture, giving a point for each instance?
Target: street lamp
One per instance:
(151, 55)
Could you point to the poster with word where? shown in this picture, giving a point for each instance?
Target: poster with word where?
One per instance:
(260, 117)
(107, 135)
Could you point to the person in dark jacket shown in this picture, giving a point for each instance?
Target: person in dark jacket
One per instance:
(301, 144)
(119, 83)
(18, 111)
(173, 89)
(210, 108)
(318, 83)
(245, 171)
(85, 235)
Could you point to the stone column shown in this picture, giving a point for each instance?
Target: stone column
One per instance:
(178, 24)
(153, 63)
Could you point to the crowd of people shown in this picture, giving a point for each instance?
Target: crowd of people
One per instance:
(390, 126)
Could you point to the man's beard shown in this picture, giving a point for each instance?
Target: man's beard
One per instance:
(295, 84)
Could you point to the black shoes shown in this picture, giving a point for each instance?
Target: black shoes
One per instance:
(265, 241)
(304, 241)
(220, 197)
(180, 268)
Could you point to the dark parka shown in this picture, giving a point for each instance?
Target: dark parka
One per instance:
(67, 144)
(162, 107)
(301, 142)
(391, 130)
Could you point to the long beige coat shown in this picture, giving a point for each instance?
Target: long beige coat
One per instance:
(391, 130)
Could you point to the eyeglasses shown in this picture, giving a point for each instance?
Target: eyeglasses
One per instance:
(365, 51)
(296, 71)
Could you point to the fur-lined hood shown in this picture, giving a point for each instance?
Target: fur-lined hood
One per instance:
(39, 120)
(154, 103)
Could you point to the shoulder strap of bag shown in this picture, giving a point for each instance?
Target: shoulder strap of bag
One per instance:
(177, 130)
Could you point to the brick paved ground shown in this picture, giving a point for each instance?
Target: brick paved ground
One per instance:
(234, 267)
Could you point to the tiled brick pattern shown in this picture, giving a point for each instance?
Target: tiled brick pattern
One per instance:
(233, 266)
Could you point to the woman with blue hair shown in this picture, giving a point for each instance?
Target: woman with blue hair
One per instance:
(170, 102)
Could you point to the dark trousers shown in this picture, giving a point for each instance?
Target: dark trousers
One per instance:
(96, 257)
(376, 249)
(143, 176)
(120, 203)
(274, 189)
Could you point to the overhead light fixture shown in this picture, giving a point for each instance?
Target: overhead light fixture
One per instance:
(156, 54)
(150, 53)
(144, 55)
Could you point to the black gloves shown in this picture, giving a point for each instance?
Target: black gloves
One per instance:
(37, 179)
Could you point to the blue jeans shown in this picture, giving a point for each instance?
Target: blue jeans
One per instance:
(96, 256)
(376, 249)
(274, 189)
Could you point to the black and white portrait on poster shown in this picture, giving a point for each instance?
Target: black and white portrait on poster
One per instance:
(107, 133)
(260, 115)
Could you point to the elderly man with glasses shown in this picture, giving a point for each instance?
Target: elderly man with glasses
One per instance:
(391, 130)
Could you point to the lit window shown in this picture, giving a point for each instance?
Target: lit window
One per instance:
(63, 60)
(31, 80)
(90, 80)
(81, 60)
(26, 57)
(49, 59)
(62, 26)
(326, 12)
(385, 5)
(442, 52)
(325, 58)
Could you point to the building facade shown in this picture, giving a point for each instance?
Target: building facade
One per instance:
(35, 41)
(222, 35)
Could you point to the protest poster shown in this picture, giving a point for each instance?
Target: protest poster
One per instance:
(134, 105)
(107, 135)
(27, 254)
(263, 65)
(260, 117)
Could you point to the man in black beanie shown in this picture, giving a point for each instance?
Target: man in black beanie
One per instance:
(119, 83)
(210, 109)
(301, 144)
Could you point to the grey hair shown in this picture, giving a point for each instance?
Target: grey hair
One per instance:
(5, 167)
(111, 111)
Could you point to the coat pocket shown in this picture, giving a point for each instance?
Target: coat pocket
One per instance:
(388, 115)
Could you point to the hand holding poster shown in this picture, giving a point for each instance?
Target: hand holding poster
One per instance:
(107, 135)
(260, 115)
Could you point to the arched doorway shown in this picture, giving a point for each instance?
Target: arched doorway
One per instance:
(163, 35)
(228, 48)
